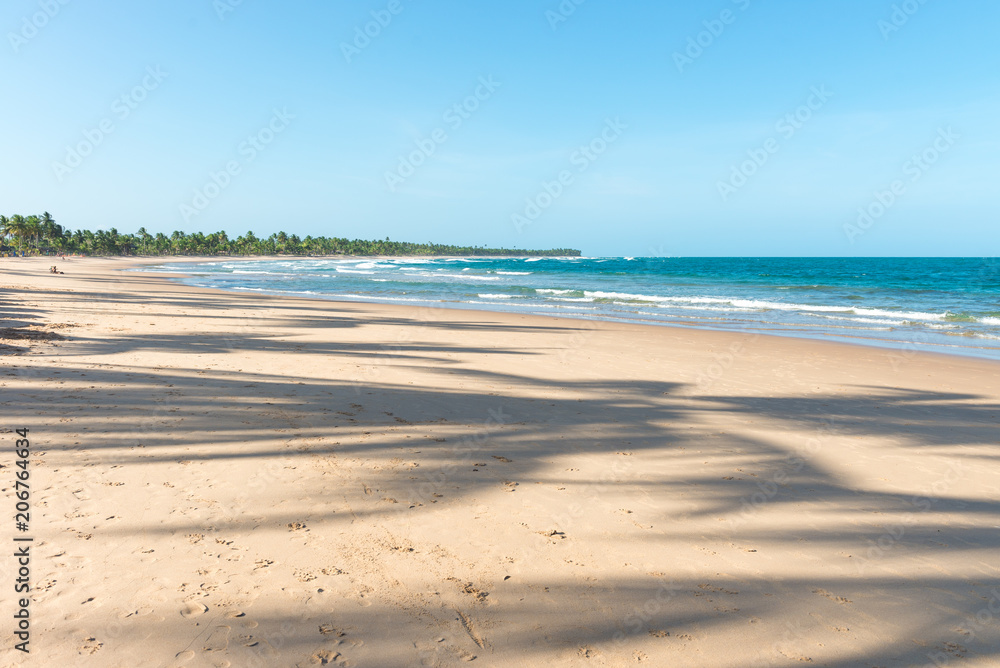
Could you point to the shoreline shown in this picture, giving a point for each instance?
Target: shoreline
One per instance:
(893, 348)
(222, 477)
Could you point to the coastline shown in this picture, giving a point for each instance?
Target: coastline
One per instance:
(242, 477)
(895, 347)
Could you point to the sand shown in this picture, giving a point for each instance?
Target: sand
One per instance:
(242, 480)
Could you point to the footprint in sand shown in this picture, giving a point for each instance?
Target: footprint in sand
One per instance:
(218, 640)
(836, 599)
(194, 609)
(325, 657)
(90, 646)
(151, 595)
(240, 617)
(330, 629)
(361, 595)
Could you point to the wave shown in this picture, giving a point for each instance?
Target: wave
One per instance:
(745, 295)
(368, 297)
(365, 265)
(765, 305)
(468, 277)
(269, 273)
(552, 291)
(877, 321)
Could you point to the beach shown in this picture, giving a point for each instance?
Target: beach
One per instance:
(243, 479)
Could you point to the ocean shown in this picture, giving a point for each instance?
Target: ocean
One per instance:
(949, 305)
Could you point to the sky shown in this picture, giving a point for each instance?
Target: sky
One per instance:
(718, 128)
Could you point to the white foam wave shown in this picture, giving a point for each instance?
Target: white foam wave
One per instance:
(374, 265)
(468, 277)
(877, 321)
(759, 304)
(269, 273)
(381, 298)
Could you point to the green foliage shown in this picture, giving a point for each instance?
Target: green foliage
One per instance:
(43, 235)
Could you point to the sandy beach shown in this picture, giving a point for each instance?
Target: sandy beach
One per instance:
(225, 479)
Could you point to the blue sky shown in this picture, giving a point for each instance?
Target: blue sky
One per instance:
(626, 128)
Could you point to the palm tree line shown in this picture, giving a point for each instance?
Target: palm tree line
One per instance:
(41, 235)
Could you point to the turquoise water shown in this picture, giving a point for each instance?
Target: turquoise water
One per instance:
(940, 304)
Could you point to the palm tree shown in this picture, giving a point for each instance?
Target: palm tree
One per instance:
(145, 237)
(50, 231)
(17, 227)
(34, 228)
(47, 224)
(162, 243)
